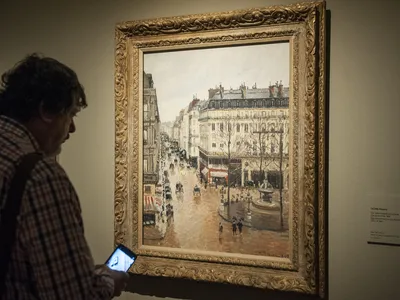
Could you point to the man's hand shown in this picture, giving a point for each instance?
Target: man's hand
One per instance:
(120, 281)
(120, 278)
(101, 269)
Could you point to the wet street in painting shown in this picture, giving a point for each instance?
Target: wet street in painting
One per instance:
(195, 223)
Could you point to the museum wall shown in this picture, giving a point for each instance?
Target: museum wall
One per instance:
(364, 142)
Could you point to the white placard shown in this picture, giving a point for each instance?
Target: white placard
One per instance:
(384, 214)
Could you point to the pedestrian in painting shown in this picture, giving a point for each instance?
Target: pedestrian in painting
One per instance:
(234, 228)
(240, 226)
(220, 228)
(222, 201)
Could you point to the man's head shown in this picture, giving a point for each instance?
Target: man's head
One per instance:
(44, 95)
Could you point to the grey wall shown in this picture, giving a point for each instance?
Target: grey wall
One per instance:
(364, 143)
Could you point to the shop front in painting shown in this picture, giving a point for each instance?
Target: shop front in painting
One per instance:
(152, 207)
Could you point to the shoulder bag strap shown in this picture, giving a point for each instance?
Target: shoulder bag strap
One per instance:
(8, 224)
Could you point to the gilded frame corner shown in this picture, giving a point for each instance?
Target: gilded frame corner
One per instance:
(303, 25)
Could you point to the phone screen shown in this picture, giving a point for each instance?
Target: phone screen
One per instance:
(121, 259)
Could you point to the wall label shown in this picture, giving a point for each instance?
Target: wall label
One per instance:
(384, 221)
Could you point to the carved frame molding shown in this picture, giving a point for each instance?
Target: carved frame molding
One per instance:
(303, 25)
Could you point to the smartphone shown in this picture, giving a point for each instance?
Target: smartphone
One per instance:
(121, 259)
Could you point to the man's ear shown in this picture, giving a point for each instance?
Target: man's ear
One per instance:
(44, 115)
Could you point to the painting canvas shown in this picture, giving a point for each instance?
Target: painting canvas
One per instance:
(216, 143)
(220, 146)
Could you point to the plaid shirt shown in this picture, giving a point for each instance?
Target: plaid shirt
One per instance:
(51, 258)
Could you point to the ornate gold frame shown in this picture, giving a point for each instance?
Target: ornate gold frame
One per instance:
(303, 25)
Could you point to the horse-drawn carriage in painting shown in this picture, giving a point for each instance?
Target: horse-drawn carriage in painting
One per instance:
(178, 187)
(196, 191)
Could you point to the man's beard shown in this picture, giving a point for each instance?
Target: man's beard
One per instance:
(58, 151)
(54, 153)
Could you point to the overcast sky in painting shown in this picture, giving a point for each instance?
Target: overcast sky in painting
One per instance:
(179, 75)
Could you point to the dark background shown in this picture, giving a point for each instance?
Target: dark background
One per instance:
(189, 289)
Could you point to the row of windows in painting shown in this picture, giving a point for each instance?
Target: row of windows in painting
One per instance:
(250, 148)
(149, 135)
(244, 126)
(219, 160)
(243, 113)
(276, 102)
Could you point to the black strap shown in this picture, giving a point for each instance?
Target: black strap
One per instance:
(9, 214)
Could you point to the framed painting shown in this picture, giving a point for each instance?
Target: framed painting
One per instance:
(220, 146)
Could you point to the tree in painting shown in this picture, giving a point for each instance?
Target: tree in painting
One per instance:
(231, 146)
(269, 143)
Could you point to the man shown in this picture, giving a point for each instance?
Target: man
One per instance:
(39, 99)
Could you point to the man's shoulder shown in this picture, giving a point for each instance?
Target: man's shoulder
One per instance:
(48, 181)
(48, 168)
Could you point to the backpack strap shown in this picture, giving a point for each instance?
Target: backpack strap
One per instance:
(11, 210)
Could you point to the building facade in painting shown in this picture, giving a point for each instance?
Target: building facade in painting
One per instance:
(189, 133)
(167, 127)
(151, 150)
(247, 131)
(175, 129)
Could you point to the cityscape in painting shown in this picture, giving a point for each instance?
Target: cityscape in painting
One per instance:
(216, 157)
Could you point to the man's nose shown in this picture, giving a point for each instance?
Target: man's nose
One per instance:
(72, 127)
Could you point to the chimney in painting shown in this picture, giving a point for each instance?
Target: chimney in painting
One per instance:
(271, 90)
(243, 89)
(221, 91)
(193, 103)
(280, 90)
(212, 92)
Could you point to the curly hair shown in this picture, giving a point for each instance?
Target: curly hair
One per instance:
(39, 81)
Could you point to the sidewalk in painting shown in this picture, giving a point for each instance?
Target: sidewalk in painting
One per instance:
(158, 231)
(257, 219)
